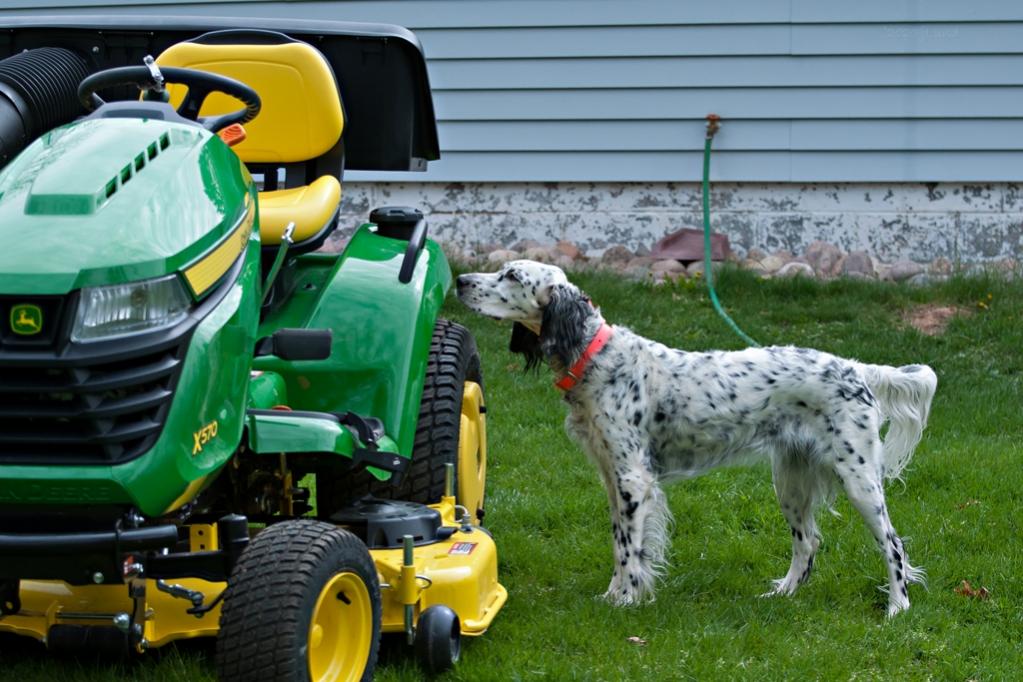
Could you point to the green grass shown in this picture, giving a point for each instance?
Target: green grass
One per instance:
(959, 513)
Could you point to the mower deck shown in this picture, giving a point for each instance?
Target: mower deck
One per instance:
(459, 571)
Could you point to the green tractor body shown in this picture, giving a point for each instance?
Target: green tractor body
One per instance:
(169, 377)
(91, 229)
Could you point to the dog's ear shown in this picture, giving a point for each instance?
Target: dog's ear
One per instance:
(562, 332)
(524, 341)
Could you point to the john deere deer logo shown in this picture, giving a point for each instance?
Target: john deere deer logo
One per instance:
(26, 319)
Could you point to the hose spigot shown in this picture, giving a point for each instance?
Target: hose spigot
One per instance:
(713, 124)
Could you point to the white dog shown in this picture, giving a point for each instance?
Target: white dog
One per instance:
(645, 413)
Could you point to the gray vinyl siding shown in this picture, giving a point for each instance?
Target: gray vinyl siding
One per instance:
(616, 91)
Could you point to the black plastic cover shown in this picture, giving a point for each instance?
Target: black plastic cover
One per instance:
(381, 524)
(380, 68)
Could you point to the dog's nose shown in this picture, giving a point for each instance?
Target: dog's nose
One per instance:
(462, 282)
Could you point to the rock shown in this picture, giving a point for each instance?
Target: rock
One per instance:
(795, 270)
(903, 270)
(1006, 267)
(858, 275)
(540, 254)
(564, 262)
(568, 249)
(858, 263)
(643, 250)
(773, 263)
(667, 267)
(501, 256)
(973, 270)
(696, 269)
(616, 254)
(925, 278)
(940, 266)
(687, 244)
(662, 278)
(454, 253)
(645, 261)
(756, 254)
(524, 244)
(637, 271)
(785, 256)
(488, 247)
(824, 258)
(755, 267)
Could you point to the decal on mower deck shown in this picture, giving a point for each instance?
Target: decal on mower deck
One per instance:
(463, 548)
(204, 436)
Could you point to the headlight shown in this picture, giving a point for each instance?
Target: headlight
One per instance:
(124, 309)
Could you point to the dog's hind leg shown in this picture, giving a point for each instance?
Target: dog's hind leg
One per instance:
(797, 485)
(858, 467)
(641, 528)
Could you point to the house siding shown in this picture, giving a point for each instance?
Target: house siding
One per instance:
(604, 94)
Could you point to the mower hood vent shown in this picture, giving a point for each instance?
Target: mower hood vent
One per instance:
(69, 202)
(133, 168)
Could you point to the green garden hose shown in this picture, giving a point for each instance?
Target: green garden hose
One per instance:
(708, 272)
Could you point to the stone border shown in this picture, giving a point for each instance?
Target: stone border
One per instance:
(821, 260)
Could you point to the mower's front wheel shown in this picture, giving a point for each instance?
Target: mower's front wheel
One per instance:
(303, 603)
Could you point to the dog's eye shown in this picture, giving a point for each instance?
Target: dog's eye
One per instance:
(510, 274)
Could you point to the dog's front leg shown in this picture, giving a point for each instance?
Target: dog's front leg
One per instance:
(639, 518)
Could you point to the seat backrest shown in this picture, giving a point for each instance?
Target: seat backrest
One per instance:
(302, 117)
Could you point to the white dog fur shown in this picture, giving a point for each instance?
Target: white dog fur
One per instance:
(645, 413)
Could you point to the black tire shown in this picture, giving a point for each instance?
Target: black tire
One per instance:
(438, 639)
(265, 620)
(453, 360)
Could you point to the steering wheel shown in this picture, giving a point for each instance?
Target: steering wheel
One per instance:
(200, 84)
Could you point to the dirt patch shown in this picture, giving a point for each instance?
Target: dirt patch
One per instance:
(932, 319)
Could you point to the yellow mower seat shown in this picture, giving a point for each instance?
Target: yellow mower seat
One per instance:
(301, 119)
(310, 207)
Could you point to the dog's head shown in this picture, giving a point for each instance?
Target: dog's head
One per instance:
(552, 316)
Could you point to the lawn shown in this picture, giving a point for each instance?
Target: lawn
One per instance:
(958, 512)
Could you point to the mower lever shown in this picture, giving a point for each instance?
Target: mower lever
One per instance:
(154, 71)
(368, 429)
(181, 593)
(415, 244)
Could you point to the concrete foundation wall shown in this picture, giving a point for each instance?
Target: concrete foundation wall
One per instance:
(963, 222)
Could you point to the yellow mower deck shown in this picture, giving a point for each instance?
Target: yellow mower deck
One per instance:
(459, 572)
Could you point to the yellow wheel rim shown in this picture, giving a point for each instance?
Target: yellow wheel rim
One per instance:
(472, 449)
(341, 630)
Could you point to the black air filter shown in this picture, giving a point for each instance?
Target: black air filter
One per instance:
(38, 91)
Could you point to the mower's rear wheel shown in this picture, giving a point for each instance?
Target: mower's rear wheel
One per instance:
(303, 603)
(451, 430)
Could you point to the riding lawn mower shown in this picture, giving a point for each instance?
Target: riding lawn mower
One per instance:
(209, 426)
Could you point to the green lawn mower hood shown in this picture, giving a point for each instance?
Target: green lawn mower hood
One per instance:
(112, 201)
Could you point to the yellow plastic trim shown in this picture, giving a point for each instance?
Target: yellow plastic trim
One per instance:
(310, 207)
(472, 449)
(208, 270)
(340, 630)
(301, 117)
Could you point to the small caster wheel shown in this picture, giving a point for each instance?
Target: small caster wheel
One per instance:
(438, 639)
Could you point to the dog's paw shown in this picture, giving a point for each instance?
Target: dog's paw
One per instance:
(617, 595)
(782, 587)
(895, 607)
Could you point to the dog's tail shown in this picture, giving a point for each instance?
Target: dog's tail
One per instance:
(904, 395)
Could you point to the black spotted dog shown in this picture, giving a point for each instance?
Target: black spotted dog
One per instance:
(645, 413)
